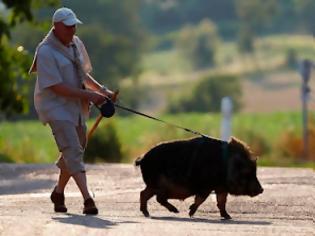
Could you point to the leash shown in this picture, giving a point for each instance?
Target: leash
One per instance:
(99, 118)
(159, 120)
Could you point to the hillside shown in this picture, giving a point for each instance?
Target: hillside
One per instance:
(268, 83)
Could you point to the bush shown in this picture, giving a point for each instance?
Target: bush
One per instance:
(104, 145)
(207, 95)
(131, 95)
(246, 41)
(5, 158)
(291, 58)
(257, 143)
(199, 43)
(291, 144)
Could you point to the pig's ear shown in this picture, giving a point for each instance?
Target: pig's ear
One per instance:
(232, 140)
(237, 143)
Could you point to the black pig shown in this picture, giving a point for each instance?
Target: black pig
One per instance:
(196, 167)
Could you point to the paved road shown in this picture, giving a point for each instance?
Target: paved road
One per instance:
(287, 206)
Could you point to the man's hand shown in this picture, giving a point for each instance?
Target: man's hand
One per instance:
(95, 97)
(114, 97)
(108, 93)
(67, 91)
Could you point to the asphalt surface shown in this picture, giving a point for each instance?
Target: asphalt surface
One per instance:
(287, 206)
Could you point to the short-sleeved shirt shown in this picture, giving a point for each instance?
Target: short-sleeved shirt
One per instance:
(53, 67)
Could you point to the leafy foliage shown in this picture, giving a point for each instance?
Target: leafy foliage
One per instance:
(114, 44)
(104, 145)
(199, 44)
(207, 95)
(14, 60)
(13, 74)
(253, 15)
(305, 9)
(160, 16)
(164, 16)
(292, 58)
(113, 35)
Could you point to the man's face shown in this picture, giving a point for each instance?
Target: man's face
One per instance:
(64, 33)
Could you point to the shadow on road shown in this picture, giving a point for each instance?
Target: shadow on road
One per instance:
(23, 185)
(25, 178)
(219, 221)
(88, 221)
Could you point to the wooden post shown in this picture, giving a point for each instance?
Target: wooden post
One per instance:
(226, 109)
(305, 70)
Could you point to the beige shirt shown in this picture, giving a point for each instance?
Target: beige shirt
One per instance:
(53, 67)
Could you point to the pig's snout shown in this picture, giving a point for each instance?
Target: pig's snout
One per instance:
(256, 190)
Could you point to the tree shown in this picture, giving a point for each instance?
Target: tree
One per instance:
(14, 60)
(305, 9)
(113, 35)
(207, 94)
(254, 15)
(111, 31)
(199, 43)
(161, 16)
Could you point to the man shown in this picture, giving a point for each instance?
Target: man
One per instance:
(64, 89)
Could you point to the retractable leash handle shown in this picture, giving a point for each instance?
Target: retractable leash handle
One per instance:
(107, 110)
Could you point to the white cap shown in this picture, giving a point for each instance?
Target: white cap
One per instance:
(66, 16)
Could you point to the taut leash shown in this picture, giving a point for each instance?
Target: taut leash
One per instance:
(99, 118)
(157, 119)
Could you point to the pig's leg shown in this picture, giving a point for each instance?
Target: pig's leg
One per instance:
(145, 195)
(221, 201)
(199, 199)
(161, 197)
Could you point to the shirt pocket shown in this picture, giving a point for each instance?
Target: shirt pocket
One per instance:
(68, 72)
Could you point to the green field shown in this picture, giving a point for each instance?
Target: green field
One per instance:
(31, 142)
(166, 73)
(270, 53)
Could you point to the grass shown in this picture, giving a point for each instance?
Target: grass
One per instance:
(169, 71)
(31, 142)
(156, 62)
(27, 141)
(268, 125)
(270, 53)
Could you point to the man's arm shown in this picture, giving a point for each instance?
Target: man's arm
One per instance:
(67, 91)
(92, 84)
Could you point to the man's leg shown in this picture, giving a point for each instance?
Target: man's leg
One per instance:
(80, 179)
(89, 204)
(64, 177)
(71, 142)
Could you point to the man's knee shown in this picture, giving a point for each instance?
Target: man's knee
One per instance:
(73, 159)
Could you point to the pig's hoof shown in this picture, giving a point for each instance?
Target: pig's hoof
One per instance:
(193, 210)
(174, 209)
(146, 213)
(226, 217)
(191, 213)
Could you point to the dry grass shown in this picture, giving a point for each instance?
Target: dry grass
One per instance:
(275, 92)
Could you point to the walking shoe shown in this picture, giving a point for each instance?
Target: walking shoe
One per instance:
(59, 201)
(89, 207)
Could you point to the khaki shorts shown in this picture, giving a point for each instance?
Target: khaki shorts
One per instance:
(71, 142)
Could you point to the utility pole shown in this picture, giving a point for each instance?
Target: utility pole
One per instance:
(305, 70)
